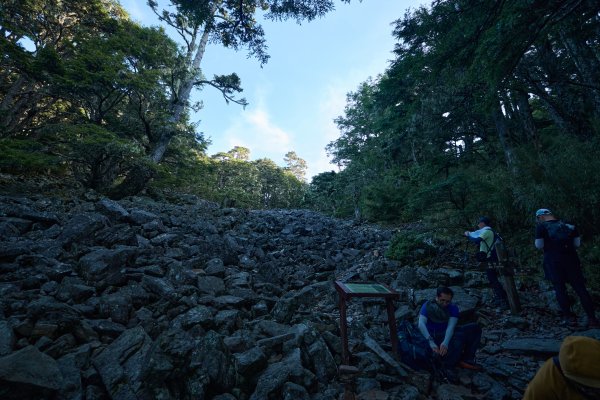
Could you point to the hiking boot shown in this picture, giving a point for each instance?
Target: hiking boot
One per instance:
(570, 321)
(470, 365)
(451, 376)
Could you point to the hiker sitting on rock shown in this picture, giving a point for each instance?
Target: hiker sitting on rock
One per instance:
(573, 375)
(456, 345)
(486, 238)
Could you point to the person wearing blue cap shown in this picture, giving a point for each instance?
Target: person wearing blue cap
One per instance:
(486, 238)
(560, 241)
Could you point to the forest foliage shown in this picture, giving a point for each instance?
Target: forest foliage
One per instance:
(88, 94)
(488, 108)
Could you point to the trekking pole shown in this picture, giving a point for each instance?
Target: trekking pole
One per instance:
(466, 256)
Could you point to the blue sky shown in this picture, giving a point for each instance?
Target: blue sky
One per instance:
(295, 97)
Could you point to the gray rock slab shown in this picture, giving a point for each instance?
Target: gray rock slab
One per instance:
(30, 366)
(532, 346)
(385, 357)
(121, 364)
(7, 338)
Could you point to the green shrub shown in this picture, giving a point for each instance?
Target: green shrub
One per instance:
(410, 244)
(590, 258)
(96, 156)
(26, 156)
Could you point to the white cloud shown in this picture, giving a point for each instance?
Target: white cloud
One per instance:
(331, 106)
(138, 11)
(254, 128)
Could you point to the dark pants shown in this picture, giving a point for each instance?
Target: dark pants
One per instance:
(463, 345)
(499, 292)
(560, 273)
(560, 288)
(470, 337)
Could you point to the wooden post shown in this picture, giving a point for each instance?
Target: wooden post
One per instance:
(347, 291)
(344, 331)
(507, 278)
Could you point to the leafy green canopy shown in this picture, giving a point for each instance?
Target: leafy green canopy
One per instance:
(489, 107)
(87, 93)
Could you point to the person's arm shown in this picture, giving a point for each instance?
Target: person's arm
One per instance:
(539, 243)
(473, 236)
(425, 332)
(448, 336)
(539, 236)
(576, 237)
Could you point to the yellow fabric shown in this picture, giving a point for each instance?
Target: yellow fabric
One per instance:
(487, 240)
(580, 360)
(549, 384)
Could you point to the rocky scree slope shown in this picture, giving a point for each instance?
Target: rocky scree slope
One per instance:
(140, 299)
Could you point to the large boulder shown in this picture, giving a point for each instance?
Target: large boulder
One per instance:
(29, 373)
(121, 364)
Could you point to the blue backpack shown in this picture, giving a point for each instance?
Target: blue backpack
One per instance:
(414, 350)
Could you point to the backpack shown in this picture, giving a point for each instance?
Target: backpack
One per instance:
(414, 350)
(561, 235)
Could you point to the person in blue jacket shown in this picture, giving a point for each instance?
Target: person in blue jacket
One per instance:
(456, 345)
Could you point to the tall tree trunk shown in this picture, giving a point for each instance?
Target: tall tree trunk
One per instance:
(181, 99)
(503, 136)
(525, 117)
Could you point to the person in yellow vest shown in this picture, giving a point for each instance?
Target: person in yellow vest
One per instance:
(485, 237)
(573, 375)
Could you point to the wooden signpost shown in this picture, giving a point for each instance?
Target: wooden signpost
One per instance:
(347, 291)
(507, 277)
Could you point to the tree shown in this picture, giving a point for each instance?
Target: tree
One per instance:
(232, 24)
(51, 32)
(295, 165)
(467, 114)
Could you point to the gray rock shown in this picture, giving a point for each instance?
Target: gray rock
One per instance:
(140, 217)
(322, 362)
(199, 315)
(215, 267)
(106, 327)
(290, 369)
(74, 289)
(229, 301)
(292, 391)
(211, 285)
(112, 209)
(101, 262)
(121, 364)
(14, 226)
(7, 338)
(158, 286)
(532, 346)
(29, 366)
(251, 362)
(228, 320)
(385, 357)
(212, 363)
(81, 227)
(287, 306)
(491, 388)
